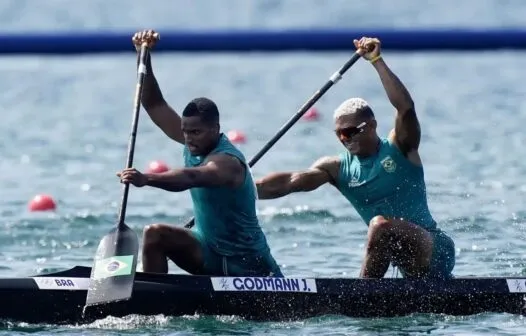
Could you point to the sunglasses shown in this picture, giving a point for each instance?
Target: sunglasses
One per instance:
(350, 132)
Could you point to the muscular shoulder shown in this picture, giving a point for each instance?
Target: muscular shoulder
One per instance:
(326, 162)
(227, 168)
(225, 161)
(413, 156)
(329, 164)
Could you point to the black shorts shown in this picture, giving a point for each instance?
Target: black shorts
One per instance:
(256, 265)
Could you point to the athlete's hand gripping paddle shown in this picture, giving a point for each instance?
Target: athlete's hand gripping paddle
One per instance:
(113, 273)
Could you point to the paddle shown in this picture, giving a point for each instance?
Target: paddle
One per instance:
(314, 98)
(113, 273)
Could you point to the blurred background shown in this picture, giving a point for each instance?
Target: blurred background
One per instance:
(66, 121)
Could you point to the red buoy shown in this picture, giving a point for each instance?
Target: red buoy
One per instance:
(42, 202)
(236, 137)
(311, 115)
(157, 167)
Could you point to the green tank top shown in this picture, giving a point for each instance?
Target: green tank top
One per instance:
(385, 184)
(225, 217)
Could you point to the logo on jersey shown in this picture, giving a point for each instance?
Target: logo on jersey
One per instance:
(354, 182)
(389, 164)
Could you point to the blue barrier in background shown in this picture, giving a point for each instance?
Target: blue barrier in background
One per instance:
(265, 41)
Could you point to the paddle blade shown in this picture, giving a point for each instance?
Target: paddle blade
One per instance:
(112, 276)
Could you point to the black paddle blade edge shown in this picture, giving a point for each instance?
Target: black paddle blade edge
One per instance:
(113, 273)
